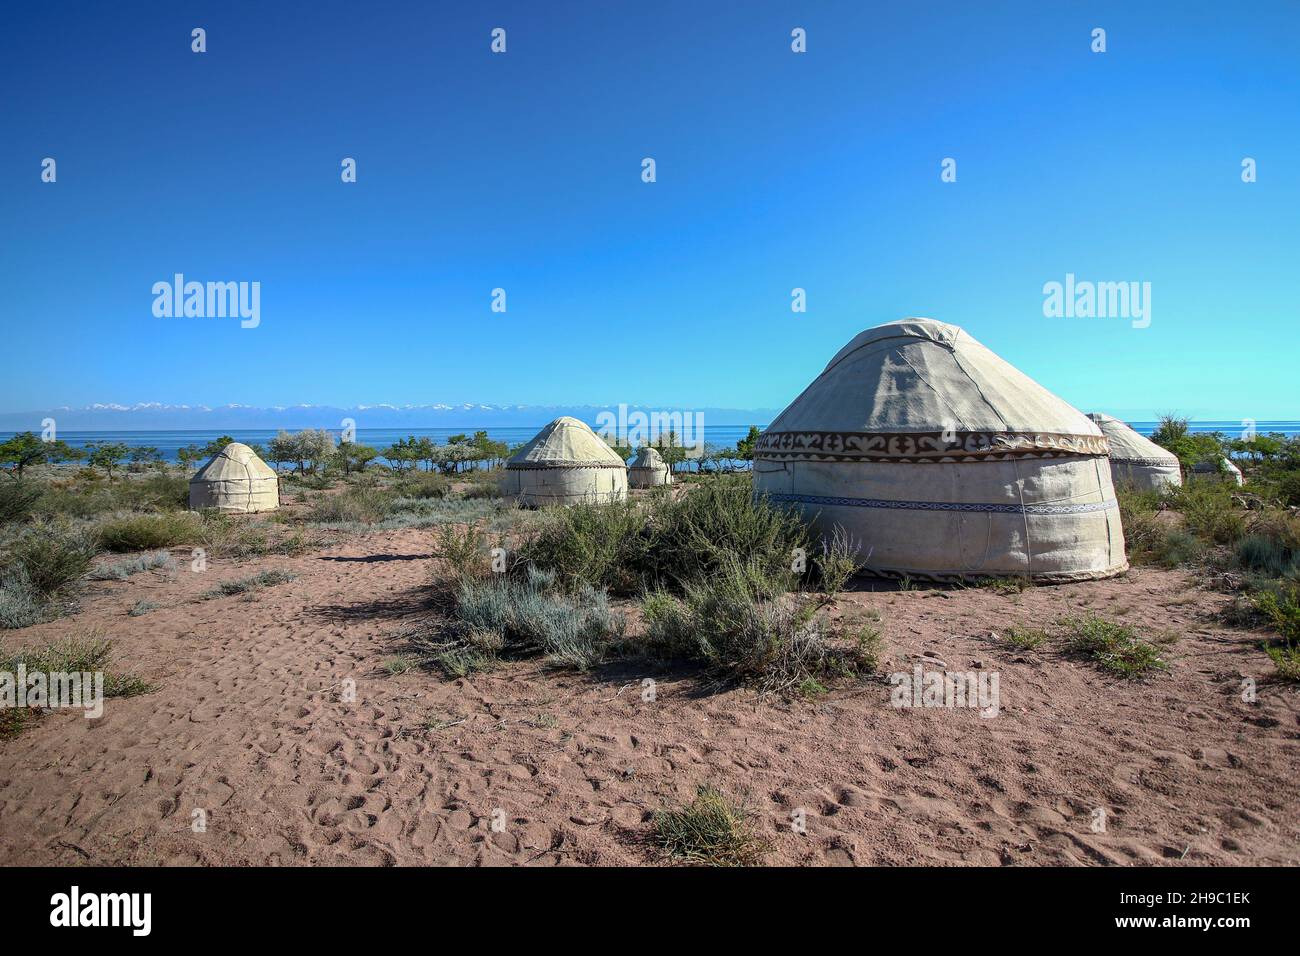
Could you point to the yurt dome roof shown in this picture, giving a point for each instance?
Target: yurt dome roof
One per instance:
(234, 462)
(1126, 445)
(916, 389)
(566, 442)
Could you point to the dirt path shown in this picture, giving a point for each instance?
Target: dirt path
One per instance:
(249, 725)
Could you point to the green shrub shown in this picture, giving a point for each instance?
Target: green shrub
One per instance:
(837, 562)
(151, 532)
(600, 545)
(711, 830)
(669, 541)
(1026, 638)
(526, 617)
(161, 491)
(364, 504)
(1177, 548)
(1266, 555)
(740, 635)
(229, 536)
(422, 484)
(1209, 511)
(1143, 530)
(18, 499)
(50, 558)
(718, 523)
(1287, 661)
(465, 552)
(1115, 648)
(1287, 485)
(1281, 609)
(20, 605)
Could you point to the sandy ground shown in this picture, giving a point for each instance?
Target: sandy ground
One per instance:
(248, 723)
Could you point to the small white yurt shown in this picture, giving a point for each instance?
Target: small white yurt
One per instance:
(235, 481)
(1217, 469)
(1135, 460)
(565, 463)
(941, 461)
(648, 469)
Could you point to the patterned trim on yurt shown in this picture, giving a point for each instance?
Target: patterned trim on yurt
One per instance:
(1146, 461)
(1039, 577)
(908, 447)
(547, 465)
(993, 508)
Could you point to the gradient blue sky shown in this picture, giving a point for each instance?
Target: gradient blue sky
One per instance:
(775, 170)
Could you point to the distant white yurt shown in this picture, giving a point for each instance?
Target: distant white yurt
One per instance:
(235, 481)
(941, 461)
(648, 469)
(1135, 460)
(1217, 469)
(565, 463)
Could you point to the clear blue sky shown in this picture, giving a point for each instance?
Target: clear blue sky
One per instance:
(775, 170)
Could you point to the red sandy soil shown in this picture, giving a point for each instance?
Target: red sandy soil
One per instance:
(247, 723)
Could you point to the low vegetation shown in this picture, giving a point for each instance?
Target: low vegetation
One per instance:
(739, 635)
(1115, 648)
(70, 655)
(1025, 638)
(670, 541)
(710, 831)
(254, 582)
(121, 570)
(149, 532)
(501, 617)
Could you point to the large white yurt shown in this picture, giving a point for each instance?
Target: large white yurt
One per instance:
(235, 481)
(565, 463)
(1136, 460)
(1217, 469)
(942, 461)
(648, 469)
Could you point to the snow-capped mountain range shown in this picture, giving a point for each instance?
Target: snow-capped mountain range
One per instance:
(156, 415)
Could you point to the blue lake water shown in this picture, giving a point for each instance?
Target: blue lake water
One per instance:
(725, 436)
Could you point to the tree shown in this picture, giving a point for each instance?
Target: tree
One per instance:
(26, 449)
(189, 456)
(106, 455)
(313, 446)
(489, 450)
(1191, 448)
(745, 446)
(283, 447)
(143, 455)
(402, 454)
(213, 447)
(350, 454)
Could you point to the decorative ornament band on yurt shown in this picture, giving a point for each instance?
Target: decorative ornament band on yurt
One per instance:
(940, 460)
